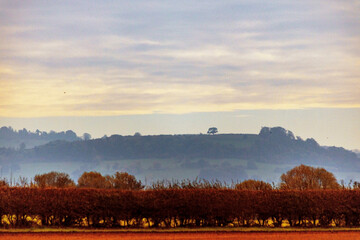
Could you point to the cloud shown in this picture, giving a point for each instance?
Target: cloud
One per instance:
(146, 57)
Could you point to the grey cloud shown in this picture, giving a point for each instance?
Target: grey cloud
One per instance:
(256, 49)
(199, 164)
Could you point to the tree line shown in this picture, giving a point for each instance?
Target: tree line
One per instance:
(22, 139)
(120, 180)
(271, 145)
(306, 196)
(9, 133)
(301, 177)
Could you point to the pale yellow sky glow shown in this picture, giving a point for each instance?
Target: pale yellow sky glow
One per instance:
(173, 67)
(109, 61)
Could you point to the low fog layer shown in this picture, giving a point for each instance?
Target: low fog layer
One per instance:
(226, 157)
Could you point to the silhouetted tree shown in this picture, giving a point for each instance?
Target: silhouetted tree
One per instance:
(70, 134)
(305, 177)
(253, 185)
(29, 139)
(212, 130)
(276, 132)
(86, 136)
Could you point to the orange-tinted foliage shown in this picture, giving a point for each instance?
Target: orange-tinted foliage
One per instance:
(178, 208)
(183, 236)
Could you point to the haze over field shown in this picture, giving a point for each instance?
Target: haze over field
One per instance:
(224, 157)
(155, 67)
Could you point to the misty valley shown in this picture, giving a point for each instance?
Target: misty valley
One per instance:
(224, 157)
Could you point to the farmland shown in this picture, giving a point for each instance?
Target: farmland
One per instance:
(184, 236)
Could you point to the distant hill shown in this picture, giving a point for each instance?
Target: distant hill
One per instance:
(10, 138)
(271, 145)
(357, 152)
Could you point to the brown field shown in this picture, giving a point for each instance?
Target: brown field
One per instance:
(183, 236)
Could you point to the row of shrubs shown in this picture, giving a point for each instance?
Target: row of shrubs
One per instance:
(20, 207)
(299, 178)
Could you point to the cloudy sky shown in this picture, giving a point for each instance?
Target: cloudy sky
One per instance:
(158, 64)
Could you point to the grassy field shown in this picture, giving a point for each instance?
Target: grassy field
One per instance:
(184, 236)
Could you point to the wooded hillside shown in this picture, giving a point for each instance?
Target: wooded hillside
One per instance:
(273, 145)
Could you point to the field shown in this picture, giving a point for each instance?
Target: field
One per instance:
(184, 236)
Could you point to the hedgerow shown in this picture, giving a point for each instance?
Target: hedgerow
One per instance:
(76, 207)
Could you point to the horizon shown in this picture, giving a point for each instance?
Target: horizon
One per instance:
(329, 127)
(173, 67)
(140, 66)
(13, 181)
(230, 97)
(151, 158)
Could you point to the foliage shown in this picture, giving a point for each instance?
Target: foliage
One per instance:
(272, 145)
(23, 137)
(93, 180)
(306, 177)
(53, 179)
(120, 180)
(212, 130)
(253, 185)
(178, 207)
(3, 183)
(125, 181)
(86, 136)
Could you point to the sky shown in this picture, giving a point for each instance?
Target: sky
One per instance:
(173, 67)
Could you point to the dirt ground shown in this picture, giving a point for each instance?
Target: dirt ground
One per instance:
(183, 236)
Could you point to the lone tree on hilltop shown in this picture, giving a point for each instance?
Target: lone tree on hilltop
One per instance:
(305, 177)
(212, 130)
